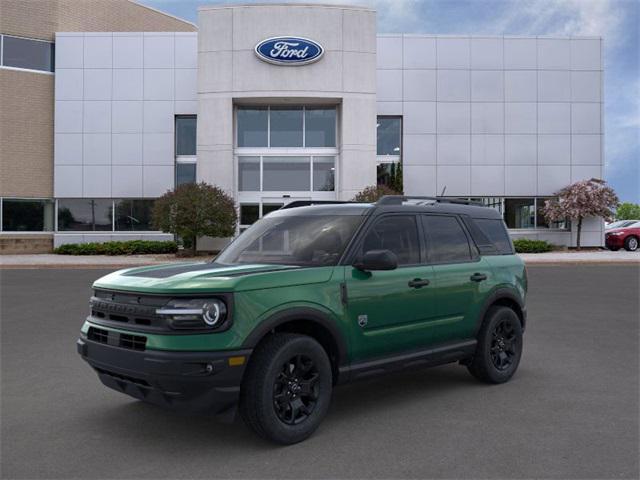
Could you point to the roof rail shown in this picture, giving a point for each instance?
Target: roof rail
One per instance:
(399, 199)
(307, 203)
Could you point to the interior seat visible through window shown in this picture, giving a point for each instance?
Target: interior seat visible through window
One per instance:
(398, 234)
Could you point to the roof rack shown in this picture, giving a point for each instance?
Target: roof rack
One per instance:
(399, 199)
(307, 203)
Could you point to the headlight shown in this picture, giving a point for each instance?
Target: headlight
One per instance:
(194, 313)
(616, 233)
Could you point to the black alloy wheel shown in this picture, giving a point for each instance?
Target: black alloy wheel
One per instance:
(296, 390)
(503, 345)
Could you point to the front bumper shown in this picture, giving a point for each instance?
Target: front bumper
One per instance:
(614, 241)
(202, 382)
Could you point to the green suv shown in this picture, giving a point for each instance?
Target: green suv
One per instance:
(310, 297)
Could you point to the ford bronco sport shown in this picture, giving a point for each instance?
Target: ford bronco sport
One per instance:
(310, 297)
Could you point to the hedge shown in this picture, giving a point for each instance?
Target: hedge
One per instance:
(524, 245)
(131, 247)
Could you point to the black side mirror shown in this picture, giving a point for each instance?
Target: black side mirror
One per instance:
(377, 260)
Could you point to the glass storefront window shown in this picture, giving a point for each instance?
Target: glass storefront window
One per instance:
(185, 173)
(133, 215)
(253, 125)
(26, 53)
(270, 207)
(85, 214)
(389, 133)
(286, 174)
(492, 202)
(324, 174)
(249, 174)
(320, 127)
(519, 212)
(27, 215)
(186, 135)
(286, 126)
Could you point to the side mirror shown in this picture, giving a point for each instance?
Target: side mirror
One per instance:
(377, 260)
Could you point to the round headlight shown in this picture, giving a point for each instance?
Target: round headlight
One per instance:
(213, 312)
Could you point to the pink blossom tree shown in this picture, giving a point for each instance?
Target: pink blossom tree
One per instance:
(586, 198)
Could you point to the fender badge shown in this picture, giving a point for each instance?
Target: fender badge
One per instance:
(363, 320)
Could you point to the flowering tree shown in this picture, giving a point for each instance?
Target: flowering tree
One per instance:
(586, 198)
(373, 193)
(195, 210)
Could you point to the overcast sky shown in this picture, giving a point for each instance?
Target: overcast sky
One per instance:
(617, 21)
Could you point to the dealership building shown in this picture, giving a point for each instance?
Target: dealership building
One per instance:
(275, 103)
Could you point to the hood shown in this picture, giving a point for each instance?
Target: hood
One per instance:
(210, 277)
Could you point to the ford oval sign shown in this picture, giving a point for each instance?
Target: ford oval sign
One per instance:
(289, 51)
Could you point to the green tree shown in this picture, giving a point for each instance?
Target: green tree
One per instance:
(373, 193)
(628, 211)
(195, 210)
(586, 198)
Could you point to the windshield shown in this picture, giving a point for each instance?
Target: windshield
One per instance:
(313, 240)
(621, 224)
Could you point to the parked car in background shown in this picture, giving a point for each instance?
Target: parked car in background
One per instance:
(620, 224)
(627, 237)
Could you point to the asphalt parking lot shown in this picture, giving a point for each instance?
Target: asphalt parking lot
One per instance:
(571, 411)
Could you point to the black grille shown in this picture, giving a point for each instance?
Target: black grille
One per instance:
(126, 378)
(122, 340)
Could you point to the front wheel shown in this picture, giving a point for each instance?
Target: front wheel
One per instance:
(499, 346)
(287, 388)
(631, 244)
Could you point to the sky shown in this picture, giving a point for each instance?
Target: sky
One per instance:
(617, 21)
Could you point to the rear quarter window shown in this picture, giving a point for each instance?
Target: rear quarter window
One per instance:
(495, 231)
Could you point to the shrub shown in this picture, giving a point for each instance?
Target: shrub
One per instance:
(373, 193)
(131, 247)
(524, 245)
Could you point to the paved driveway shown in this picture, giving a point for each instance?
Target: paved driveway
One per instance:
(570, 412)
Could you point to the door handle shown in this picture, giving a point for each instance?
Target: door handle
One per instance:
(478, 277)
(418, 282)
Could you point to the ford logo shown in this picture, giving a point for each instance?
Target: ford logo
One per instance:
(289, 51)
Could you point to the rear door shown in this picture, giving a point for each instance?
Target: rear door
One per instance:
(389, 311)
(460, 276)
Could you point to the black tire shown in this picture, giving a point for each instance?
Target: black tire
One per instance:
(499, 346)
(271, 403)
(631, 243)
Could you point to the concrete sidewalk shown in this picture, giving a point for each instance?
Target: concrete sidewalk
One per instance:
(104, 261)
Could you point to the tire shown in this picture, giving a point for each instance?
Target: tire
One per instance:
(631, 243)
(499, 346)
(286, 390)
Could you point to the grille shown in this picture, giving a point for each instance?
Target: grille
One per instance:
(122, 340)
(126, 378)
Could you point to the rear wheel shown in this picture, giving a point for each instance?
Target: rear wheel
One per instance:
(286, 390)
(631, 244)
(499, 346)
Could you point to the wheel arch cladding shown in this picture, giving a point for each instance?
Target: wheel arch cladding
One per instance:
(306, 321)
(506, 298)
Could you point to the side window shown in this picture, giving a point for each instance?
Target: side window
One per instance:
(496, 232)
(447, 242)
(398, 233)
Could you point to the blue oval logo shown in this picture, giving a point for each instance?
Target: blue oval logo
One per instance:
(289, 50)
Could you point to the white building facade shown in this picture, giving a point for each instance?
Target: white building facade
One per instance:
(504, 120)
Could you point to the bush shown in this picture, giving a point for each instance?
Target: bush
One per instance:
(374, 193)
(131, 247)
(524, 245)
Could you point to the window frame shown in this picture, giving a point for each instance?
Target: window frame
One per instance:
(22, 69)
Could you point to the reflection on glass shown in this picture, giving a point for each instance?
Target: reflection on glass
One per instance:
(389, 132)
(286, 127)
(286, 173)
(324, 174)
(27, 215)
(320, 127)
(133, 215)
(84, 214)
(519, 212)
(26, 53)
(249, 174)
(252, 126)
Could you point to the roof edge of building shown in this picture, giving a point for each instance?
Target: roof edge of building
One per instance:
(137, 2)
(287, 4)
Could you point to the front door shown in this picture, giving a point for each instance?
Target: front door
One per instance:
(390, 311)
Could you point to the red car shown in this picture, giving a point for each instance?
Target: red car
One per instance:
(627, 237)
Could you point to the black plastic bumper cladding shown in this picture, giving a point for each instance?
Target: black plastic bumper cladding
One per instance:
(200, 382)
